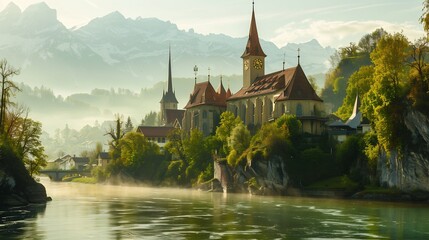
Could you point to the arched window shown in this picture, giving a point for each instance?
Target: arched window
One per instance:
(204, 114)
(298, 110)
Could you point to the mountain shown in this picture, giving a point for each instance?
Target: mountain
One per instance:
(119, 52)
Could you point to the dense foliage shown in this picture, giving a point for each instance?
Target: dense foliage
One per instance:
(21, 151)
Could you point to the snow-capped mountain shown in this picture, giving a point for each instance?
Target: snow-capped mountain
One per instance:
(114, 51)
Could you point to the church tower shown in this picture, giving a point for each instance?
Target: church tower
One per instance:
(168, 100)
(253, 56)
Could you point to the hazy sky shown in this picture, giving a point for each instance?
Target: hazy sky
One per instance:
(332, 22)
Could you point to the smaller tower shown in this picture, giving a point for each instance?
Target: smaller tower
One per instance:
(168, 100)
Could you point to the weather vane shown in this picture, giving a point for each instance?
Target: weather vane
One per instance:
(299, 56)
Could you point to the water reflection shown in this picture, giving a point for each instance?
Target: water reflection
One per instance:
(15, 222)
(103, 212)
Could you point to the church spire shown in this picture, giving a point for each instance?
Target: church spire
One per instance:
(253, 47)
(169, 95)
(170, 80)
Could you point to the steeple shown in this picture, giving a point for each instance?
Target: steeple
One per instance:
(170, 80)
(221, 90)
(169, 96)
(253, 47)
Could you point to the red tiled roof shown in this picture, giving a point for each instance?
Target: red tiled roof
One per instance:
(299, 88)
(291, 83)
(149, 131)
(173, 114)
(204, 94)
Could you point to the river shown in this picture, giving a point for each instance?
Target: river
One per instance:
(80, 211)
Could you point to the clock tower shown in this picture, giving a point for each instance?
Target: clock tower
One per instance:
(253, 56)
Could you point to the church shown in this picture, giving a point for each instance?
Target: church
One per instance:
(262, 98)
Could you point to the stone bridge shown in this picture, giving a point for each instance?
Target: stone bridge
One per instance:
(58, 175)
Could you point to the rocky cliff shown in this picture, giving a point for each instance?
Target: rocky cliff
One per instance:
(261, 177)
(17, 187)
(408, 170)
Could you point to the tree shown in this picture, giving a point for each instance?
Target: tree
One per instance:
(384, 102)
(150, 119)
(135, 149)
(175, 143)
(197, 154)
(368, 43)
(24, 135)
(128, 125)
(194, 156)
(359, 83)
(419, 93)
(116, 134)
(227, 123)
(239, 141)
(7, 89)
(424, 19)
(390, 58)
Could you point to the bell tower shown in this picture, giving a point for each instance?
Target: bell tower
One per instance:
(253, 56)
(168, 100)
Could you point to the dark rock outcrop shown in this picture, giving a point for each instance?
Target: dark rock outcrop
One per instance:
(259, 177)
(409, 169)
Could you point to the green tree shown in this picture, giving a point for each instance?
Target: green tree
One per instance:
(239, 141)
(135, 149)
(419, 93)
(150, 119)
(292, 127)
(197, 154)
(227, 123)
(128, 125)
(194, 156)
(359, 83)
(384, 104)
(424, 19)
(24, 134)
(116, 133)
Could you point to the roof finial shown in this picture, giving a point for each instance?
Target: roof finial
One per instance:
(195, 73)
(253, 5)
(284, 60)
(209, 75)
(299, 56)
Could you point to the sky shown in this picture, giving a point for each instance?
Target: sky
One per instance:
(333, 23)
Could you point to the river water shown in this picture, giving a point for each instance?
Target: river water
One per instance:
(80, 211)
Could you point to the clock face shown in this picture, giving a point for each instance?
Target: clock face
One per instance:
(257, 63)
(246, 64)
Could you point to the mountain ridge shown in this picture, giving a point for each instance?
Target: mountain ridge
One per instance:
(116, 51)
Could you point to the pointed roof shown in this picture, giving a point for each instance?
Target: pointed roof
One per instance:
(299, 88)
(221, 89)
(169, 96)
(253, 47)
(356, 118)
(204, 94)
(290, 84)
(228, 93)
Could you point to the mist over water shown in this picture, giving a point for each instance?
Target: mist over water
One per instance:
(81, 211)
